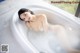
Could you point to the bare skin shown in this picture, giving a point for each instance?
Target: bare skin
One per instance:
(39, 23)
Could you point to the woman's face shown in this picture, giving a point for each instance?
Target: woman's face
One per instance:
(26, 16)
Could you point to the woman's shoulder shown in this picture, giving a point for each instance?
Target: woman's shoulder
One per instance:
(41, 15)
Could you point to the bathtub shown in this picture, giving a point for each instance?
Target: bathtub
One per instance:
(54, 16)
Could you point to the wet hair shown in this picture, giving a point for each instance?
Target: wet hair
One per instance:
(22, 10)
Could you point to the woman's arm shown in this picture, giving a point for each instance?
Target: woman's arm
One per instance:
(28, 25)
(44, 21)
(39, 23)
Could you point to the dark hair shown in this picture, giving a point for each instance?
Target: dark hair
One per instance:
(22, 10)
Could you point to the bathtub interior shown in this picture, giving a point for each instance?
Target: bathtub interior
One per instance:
(71, 26)
(53, 18)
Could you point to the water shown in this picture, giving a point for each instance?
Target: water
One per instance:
(45, 42)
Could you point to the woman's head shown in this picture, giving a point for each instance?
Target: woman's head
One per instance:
(25, 14)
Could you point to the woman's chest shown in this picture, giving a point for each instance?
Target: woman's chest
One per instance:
(36, 24)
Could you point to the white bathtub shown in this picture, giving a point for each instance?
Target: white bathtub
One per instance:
(55, 16)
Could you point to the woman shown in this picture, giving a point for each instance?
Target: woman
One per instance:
(39, 22)
(34, 22)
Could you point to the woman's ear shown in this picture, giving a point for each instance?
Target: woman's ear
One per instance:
(22, 16)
